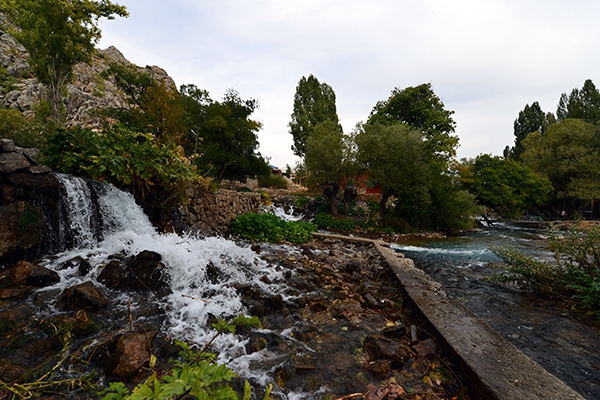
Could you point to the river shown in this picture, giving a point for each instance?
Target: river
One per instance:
(562, 341)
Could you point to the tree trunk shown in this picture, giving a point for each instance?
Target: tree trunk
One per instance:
(384, 198)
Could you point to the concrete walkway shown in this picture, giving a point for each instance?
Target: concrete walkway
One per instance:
(496, 368)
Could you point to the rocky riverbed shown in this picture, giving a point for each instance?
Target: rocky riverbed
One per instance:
(341, 330)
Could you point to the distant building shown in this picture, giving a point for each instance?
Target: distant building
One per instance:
(275, 170)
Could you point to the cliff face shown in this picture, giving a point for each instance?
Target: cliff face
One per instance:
(89, 91)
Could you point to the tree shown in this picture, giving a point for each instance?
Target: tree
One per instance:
(228, 139)
(324, 160)
(568, 153)
(314, 103)
(395, 158)
(505, 186)
(58, 34)
(420, 108)
(581, 104)
(531, 119)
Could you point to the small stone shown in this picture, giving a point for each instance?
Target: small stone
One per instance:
(83, 296)
(304, 363)
(130, 355)
(7, 146)
(426, 348)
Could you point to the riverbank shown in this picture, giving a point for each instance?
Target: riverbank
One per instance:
(341, 328)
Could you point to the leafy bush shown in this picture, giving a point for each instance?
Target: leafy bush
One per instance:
(575, 273)
(301, 202)
(326, 221)
(194, 374)
(272, 181)
(245, 189)
(270, 228)
(25, 133)
(156, 173)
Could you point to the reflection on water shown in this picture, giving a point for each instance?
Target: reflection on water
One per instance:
(558, 339)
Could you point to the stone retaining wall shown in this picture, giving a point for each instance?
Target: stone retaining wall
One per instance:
(211, 212)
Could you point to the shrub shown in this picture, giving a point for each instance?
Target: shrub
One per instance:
(13, 125)
(193, 375)
(301, 202)
(575, 273)
(270, 228)
(245, 189)
(326, 221)
(272, 181)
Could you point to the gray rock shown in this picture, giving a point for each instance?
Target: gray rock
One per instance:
(11, 162)
(7, 146)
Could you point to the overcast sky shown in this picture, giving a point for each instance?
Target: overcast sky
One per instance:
(485, 59)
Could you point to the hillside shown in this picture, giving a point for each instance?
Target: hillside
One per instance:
(89, 91)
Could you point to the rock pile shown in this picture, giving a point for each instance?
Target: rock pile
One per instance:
(29, 198)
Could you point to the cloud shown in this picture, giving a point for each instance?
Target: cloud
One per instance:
(485, 59)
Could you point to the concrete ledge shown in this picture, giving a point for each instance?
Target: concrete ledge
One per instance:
(501, 370)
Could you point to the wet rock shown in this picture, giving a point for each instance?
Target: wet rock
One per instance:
(84, 296)
(304, 363)
(26, 273)
(347, 309)
(143, 272)
(78, 323)
(83, 266)
(131, 353)
(426, 348)
(12, 319)
(379, 347)
(395, 331)
(9, 371)
(379, 368)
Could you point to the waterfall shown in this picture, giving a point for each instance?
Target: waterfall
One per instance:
(92, 210)
(203, 272)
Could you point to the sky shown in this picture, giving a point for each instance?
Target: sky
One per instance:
(486, 59)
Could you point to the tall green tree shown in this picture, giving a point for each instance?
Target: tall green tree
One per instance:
(396, 159)
(228, 139)
(568, 153)
(581, 104)
(531, 119)
(420, 108)
(505, 186)
(324, 160)
(58, 34)
(314, 102)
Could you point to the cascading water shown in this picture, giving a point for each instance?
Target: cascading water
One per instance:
(124, 230)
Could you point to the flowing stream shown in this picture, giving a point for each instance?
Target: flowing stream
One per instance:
(123, 229)
(563, 342)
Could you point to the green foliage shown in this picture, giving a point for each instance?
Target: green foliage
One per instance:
(505, 186)
(568, 153)
(301, 202)
(583, 104)
(224, 138)
(194, 374)
(575, 273)
(272, 181)
(57, 35)
(326, 221)
(420, 108)
(156, 173)
(531, 119)
(394, 156)
(245, 189)
(314, 103)
(324, 160)
(25, 133)
(270, 228)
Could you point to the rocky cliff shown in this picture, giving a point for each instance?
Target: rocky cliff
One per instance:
(88, 92)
